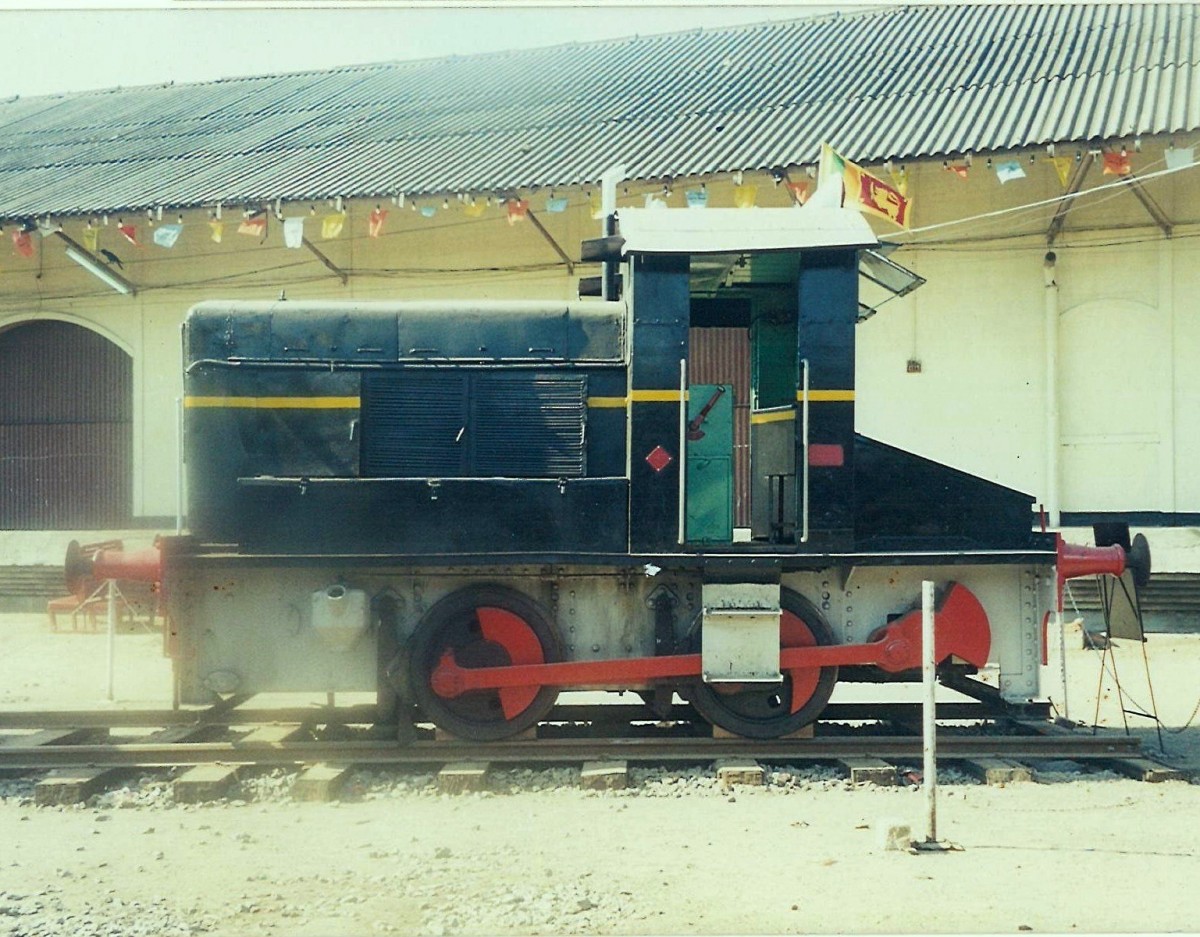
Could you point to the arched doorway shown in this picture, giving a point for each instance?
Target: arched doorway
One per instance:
(66, 440)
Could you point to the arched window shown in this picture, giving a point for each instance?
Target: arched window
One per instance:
(66, 407)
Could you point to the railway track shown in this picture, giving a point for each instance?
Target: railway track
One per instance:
(76, 757)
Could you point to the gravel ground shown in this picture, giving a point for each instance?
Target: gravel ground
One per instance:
(675, 852)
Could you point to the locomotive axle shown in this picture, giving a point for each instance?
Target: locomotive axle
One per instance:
(961, 629)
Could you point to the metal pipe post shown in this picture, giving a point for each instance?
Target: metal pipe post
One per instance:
(112, 632)
(928, 710)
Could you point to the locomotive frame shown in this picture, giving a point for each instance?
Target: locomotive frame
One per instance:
(469, 507)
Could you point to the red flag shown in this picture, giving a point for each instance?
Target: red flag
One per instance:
(517, 210)
(378, 216)
(23, 243)
(130, 232)
(1117, 164)
(255, 225)
(799, 192)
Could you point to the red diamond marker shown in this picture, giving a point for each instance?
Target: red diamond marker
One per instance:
(659, 458)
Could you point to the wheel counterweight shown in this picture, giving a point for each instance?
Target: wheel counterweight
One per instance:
(483, 626)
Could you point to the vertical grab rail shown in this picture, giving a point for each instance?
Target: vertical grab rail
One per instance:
(682, 446)
(804, 451)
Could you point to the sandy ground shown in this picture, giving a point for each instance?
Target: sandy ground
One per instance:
(1078, 852)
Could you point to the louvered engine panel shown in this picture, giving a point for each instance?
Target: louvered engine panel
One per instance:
(528, 426)
(413, 425)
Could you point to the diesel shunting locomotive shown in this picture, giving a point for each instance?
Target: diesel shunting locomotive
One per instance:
(470, 507)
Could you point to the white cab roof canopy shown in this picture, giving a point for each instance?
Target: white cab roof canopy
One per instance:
(732, 230)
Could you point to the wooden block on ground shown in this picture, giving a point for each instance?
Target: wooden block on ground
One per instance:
(997, 770)
(320, 782)
(202, 783)
(1145, 769)
(71, 785)
(463, 776)
(740, 772)
(604, 775)
(874, 770)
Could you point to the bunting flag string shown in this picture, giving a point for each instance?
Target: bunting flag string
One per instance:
(375, 222)
(861, 189)
(293, 232)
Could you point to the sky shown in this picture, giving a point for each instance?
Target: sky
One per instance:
(76, 46)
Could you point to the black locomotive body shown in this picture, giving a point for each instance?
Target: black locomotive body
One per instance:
(471, 507)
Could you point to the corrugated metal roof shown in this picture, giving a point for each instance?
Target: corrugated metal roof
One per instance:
(898, 83)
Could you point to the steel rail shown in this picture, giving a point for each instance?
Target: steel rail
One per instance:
(366, 713)
(544, 751)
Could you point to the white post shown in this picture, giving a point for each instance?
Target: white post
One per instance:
(1062, 661)
(928, 710)
(112, 632)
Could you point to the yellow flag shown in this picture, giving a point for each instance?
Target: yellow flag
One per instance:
(1062, 166)
(331, 225)
(744, 195)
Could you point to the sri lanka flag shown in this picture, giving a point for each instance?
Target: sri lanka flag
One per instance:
(860, 189)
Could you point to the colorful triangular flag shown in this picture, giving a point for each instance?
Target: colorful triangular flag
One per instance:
(375, 222)
(332, 224)
(166, 235)
(1179, 158)
(22, 243)
(293, 232)
(254, 226)
(1117, 164)
(517, 210)
(1062, 168)
(798, 191)
(1009, 169)
(744, 195)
